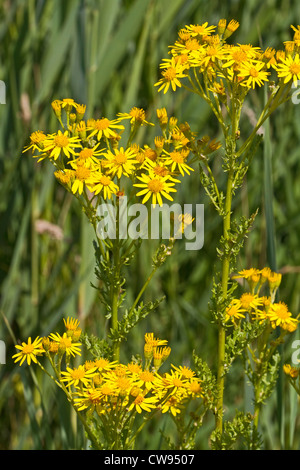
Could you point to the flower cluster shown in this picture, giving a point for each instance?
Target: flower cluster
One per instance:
(106, 386)
(202, 52)
(258, 307)
(92, 162)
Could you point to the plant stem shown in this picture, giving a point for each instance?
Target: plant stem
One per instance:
(115, 288)
(230, 149)
(221, 329)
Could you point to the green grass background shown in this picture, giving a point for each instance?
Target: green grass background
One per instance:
(106, 54)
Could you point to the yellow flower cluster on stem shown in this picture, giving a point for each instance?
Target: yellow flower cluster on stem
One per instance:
(93, 162)
(112, 392)
(203, 62)
(258, 305)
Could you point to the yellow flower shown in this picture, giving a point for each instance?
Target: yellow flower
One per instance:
(71, 323)
(162, 116)
(136, 115)
(68, 104)
(72, 327)
(250, 301)
(200, 29)
(56, 106)
(207, 56)
(252, 74)
(149, 339)
(246, 273)
(89, 398)
(80, 111)
(61, 143)
(122, 385)
(194, 388)
(182, 50)
(121, 162)
(279, 315)
(234, 311)
(64, 176)
(141, 403)
(291, 371)
(78, 376)
(160, 355)
(155, 187)
(231, 28)
(29, 351)
(177, 160)
(274, 280)
(103, 127)
(87, 157)
(81, 175)
(65, 344)
(173, 72)
(146, 379)
(185, 371)
(37, 140)
(99, 183)
(104, 364)
(172, 404)
(185, 220)
(158, 168)
(134, 368)
(174, 381)
(221, 26)
(289, 69)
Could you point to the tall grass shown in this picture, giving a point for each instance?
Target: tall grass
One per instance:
(106, 54)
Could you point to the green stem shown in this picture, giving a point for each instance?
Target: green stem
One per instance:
(148, 280)
(221, 328)
(115, 288)
(236, 109)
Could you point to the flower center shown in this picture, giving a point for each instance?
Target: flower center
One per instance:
(138, 114)
(139, 400)
(28, 349)
(155, 186)
(169, 74)
(192, 44)
(102, 124)
(61, 141)
(82, 173)
(295, 69)
(106, 390)
(78, 373)
(65, 343)
(211, 51)
(239, 56)
(253, 72)
(160, 171)
(121, 158)
(282, 312)
(105, 180)
(177, 157)
(146, 376)
(86, 153)
(101, 363)
(177, 382)
(246, 300)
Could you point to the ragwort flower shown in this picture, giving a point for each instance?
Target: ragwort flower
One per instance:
(29, 351)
